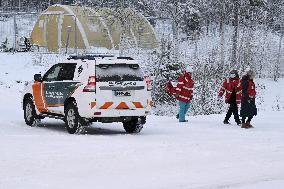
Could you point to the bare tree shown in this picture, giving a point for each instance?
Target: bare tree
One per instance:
(235, 34)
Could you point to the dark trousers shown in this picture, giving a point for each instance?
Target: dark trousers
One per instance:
(233, 109)
(248, 120)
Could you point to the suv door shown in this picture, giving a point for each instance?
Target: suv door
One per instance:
(58, 85)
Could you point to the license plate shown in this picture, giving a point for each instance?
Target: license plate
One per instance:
(122, 93)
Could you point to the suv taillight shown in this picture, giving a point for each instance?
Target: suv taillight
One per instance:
(91, 86)
(148, 82)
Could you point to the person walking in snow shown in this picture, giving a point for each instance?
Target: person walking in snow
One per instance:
(248, 108)
(184, 93)
(232, 87)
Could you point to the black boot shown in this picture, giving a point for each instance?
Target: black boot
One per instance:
(226, 122)
(177, 116)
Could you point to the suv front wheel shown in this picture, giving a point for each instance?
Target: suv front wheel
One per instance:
(30, 116)
(134, 125)
(72, 118)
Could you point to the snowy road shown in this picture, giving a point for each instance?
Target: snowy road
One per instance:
(201, 154)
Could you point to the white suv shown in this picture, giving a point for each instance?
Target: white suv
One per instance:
(90, 88)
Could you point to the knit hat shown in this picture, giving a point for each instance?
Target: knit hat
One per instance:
(189, 68)
(250, 73)
(234, 73)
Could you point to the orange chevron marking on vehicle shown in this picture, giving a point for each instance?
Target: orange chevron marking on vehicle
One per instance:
(93, 104)
(106, 105)
(122, 105)
(138, 104)
(38, 96)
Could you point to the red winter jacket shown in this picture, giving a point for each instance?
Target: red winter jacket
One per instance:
(184, 88)
(251, 89)
(229, 85)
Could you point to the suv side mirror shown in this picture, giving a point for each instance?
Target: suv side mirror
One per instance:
(37, 77)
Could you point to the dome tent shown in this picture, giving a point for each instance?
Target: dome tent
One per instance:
(85, 28)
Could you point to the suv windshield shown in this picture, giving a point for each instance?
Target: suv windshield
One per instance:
(119, 72)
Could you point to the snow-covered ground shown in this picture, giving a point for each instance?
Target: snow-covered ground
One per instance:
(200, 154)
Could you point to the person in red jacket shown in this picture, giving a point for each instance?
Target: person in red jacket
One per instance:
(248, 109)
(233, 89)
(184, 93)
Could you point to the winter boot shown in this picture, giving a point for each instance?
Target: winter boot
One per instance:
(249, 125)
(244, 125)
(183, 121)
(239, 123)
(226, 122)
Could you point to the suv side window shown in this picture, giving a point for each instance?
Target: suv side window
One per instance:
(60, 72)
(52, 73)
(67, 72)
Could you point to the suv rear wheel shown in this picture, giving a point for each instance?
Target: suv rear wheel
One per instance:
(72, 118)
(134, 125)
(30, 116)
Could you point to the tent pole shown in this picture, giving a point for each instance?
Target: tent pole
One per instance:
(76, 46)
(15, 33)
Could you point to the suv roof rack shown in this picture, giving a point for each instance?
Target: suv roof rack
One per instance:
(94, 56)
(88, 57)
(127, 58)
